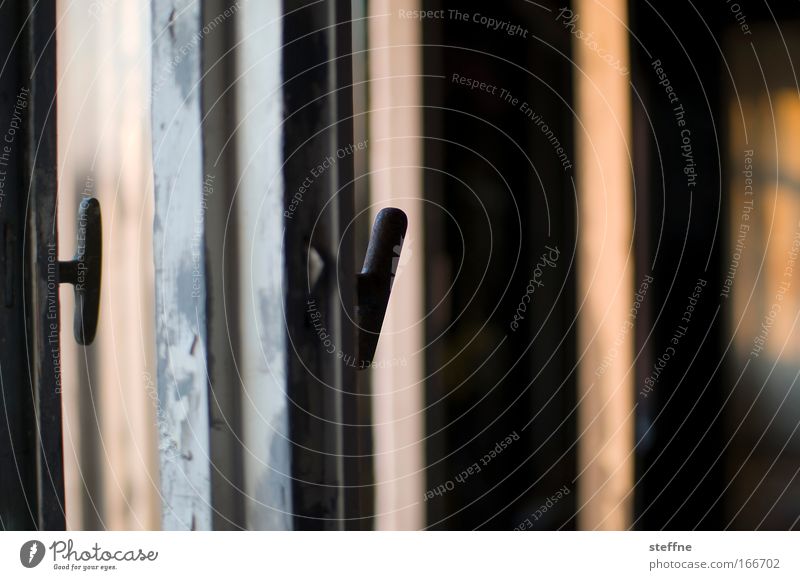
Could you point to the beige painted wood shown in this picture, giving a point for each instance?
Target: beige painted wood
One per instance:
(395, 157)
(606, 261)
(110, 448)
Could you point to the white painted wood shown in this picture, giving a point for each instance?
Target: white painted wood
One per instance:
(179, 266)
(260, 205)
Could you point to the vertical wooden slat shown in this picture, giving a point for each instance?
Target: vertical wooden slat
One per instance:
(259, 206)
(319, 267)
(395, 90)
(221, 190)
(179, 253)
(606, 262)
(18, 441)
(109, 398)
(40, 146)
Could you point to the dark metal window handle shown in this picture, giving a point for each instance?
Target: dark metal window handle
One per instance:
(84, 271)
(374, 283)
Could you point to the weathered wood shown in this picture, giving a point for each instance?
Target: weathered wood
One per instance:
(179, 254)
(259, 206)
(257, 129)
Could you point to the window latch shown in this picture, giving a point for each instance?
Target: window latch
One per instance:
(84, 270)
(374, 283)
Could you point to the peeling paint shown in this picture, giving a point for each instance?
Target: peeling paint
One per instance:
(180, 320)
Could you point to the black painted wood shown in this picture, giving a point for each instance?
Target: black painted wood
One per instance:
(31, 457)
(331, 458)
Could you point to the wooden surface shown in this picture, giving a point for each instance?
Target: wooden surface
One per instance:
(179, 267)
